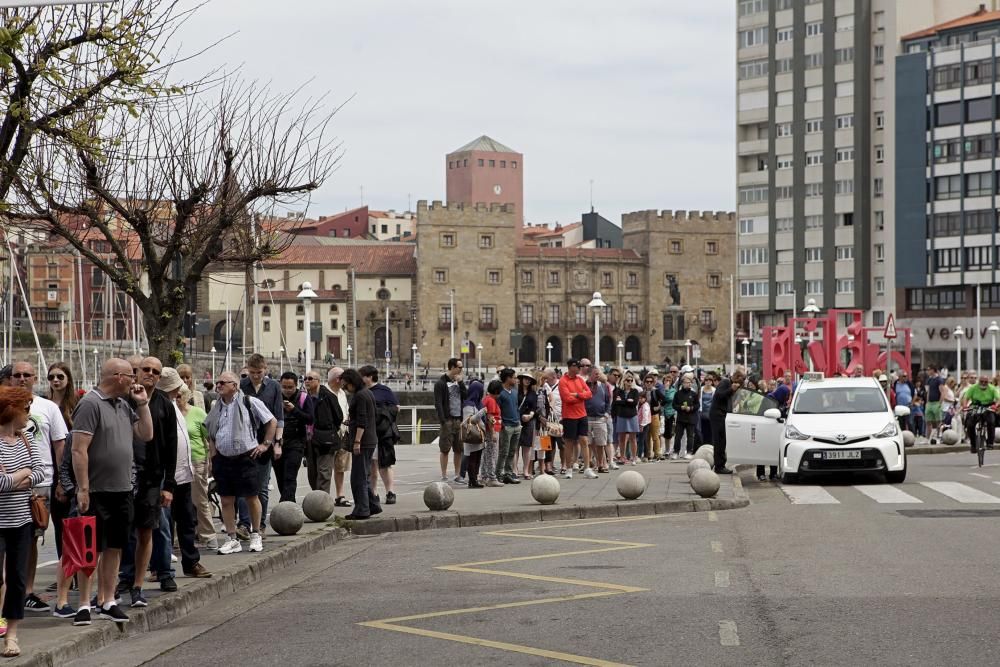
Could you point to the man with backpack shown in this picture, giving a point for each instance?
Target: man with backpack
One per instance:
(386, 412)
(299, 410)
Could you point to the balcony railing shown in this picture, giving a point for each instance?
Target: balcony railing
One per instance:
(487, 326)
(444, 325)
(638, 325)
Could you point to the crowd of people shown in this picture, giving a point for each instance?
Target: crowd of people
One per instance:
(147, 453)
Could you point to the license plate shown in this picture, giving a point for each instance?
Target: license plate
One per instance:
(845, 454)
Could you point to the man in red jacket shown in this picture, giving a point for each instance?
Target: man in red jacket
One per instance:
(574, 392)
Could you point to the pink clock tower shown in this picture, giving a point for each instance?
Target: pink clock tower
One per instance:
(486, 171)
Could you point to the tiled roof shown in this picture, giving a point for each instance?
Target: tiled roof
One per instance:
(579, 253)
(486, 144)
(379, 258)
(981, 15)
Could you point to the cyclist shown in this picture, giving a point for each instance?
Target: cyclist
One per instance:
(984, 395)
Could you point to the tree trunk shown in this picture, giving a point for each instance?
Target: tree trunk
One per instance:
(164, 329)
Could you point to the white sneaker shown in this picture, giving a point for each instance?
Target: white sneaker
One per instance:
(569, 474)
(231, 546)
(589, 474)
(688, 457)
(173, 558)
(256, 543)
(673, 456)
(614, 466)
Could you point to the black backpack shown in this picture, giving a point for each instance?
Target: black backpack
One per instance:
(255, 424)
(385, 422)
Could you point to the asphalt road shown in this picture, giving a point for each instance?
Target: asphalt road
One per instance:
(860, 575)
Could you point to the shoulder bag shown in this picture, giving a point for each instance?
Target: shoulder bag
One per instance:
(39, 508)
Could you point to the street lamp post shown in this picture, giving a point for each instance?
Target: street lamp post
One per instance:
(307, 295)
(97, 370)
(349, 350)
(281, 358)
(811, 310)
(958, 333)
(548, 354)
(621, 354)
(413, 349)
(190, 331)
(596, 303)
(213, 362)
(451, 323)
(746, 353)
(993, 344)
(479, 358)
(687, 345)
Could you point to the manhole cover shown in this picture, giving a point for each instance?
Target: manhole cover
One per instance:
(949, 514)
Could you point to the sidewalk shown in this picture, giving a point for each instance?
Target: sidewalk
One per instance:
(52, 642)
(667, 491)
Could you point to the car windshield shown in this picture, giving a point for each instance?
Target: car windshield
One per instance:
(839, 400)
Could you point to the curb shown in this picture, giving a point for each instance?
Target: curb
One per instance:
(434, 520)
(937, 449)
(187, 599)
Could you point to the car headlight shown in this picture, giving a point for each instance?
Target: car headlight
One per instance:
(889, 431)
(793, 433)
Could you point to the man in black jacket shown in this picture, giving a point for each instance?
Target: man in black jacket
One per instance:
(154, 489)
(363, 437)
(322, 448)
(722, 402)
(449, 394)
(299, 409)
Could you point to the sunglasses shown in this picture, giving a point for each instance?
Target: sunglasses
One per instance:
(22, 376)
(126, 375)
(219, 383)
(244, 375)
(648, 381)
(55, 376)
(628, 381)
(151, 370)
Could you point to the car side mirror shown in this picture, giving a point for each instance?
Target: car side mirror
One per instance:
(772, 413)
(901, 411)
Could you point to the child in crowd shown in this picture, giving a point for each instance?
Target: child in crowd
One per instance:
(487, 470)
(917, 415)
(645, 418)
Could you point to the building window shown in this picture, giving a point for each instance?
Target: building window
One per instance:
(879, 220)
(633, 279)
(493, 163)
(554, 314)
(513, 164)
(845, 252)
(632, 315)
(814, 158)
(845, 286)
(493, 277)
(814, 189)
(714, 280)
(444, 315)
(266, 326)
(814, 287)
(879, 154)
(553, 278)
(527, 278)
(879, 286)
(845, 154)
(753, 37)
(845, 23)
(814, 60)
(300, 325)
(878, 318)
(750, 288)
(948, 187)
(979, 184)
(527, 314)
(753, 255)
(844, 56)
(300, 309)
(748, 7)
(481, 163)
(580, 315)
(265, 311)
(879, 120)
(814, 126)
(785, 287)
(607, 315)
(782, 130)
(448, 240)
(845, 121)
(878, 188)
(784, 162)
(783, 257)
(784, 224)
(440, 276)
(606, 279)
(97, 328)
(814, 254)
(676, 247)
(753, 69)
(814, 222)
(503, 164)
(879, 252)
(815, 28)
(879, 54)
(783, 35)
(845, 186)
(485, 240)
(707, 317)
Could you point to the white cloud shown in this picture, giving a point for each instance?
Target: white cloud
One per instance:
(638, 95)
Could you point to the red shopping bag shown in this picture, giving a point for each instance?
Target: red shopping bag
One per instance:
(79, 546)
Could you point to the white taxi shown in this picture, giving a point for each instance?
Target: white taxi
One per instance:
(833, 425)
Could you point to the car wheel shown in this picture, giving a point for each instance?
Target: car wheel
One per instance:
(790, 478)
(896, 476)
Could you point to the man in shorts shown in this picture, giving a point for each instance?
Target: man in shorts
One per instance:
(449, 394)
(933, 413)
(598, 407)
(573, 393)
(232, 438)
(46, 431)
(103, 427)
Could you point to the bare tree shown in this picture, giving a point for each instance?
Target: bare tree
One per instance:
(179, 183)
(63, 68)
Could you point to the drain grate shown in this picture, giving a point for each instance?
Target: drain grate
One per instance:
(949, 514)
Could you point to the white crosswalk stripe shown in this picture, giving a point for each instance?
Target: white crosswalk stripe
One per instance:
(885, 494)
(808, 495)
(962, 493)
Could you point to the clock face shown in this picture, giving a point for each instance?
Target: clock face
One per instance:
(497, 189)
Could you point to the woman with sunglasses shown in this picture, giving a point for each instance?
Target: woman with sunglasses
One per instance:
(625, 402)
(21, 468)
(62, 392)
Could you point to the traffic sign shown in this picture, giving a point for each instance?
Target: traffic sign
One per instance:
(890, 327)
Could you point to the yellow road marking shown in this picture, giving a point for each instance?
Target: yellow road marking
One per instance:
(605, 589)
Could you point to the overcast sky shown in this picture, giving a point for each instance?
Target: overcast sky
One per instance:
(637, 95)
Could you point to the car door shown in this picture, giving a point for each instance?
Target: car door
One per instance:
(750, 436)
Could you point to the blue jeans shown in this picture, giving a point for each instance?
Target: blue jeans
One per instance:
(263, 482)
(163, 540)
(509, 436)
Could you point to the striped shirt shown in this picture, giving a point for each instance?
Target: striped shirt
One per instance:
(230, 439)
(14, 509)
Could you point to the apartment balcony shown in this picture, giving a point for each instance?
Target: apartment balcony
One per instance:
(487, 326)
(530, 325)
(444, 325)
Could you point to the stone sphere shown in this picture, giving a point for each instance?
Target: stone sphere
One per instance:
(908, 439)
(950, 437)
(707, 454)
(545, 489)
(996, 435)
(694, 465)
(631, 484)
(705, 483)
(317, 505)
(438, 496)
(287, 518)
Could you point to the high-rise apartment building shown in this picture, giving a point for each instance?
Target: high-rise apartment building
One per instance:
(816, 144)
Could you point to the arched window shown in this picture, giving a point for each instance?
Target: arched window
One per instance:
(265, 311)
(383, 294)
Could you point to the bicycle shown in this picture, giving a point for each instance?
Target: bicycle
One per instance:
(982, 433)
